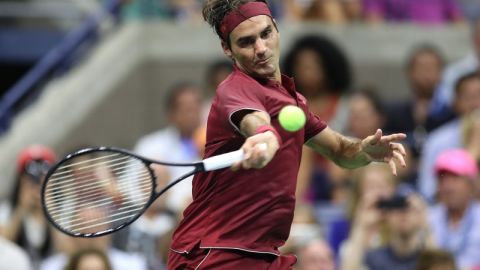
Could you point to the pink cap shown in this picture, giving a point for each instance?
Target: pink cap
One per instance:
(34, 152)
(458, 162)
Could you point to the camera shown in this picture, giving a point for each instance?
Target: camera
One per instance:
(396, 202)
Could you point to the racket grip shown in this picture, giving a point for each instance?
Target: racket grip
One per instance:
(227, 159)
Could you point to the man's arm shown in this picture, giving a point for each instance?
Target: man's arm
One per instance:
(352, 153)
(255, 157)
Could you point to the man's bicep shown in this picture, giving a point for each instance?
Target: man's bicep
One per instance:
(326, 142)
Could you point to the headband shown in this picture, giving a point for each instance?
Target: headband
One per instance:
(242, 13)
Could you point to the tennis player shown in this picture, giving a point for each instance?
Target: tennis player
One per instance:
(239, 218)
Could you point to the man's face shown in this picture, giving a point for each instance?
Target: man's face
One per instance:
(255, 47)
(317, 256)
(186, 116)
(454, 191)
(425, 73)
(468, 97)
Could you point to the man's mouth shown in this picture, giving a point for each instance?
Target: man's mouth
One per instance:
(262, 61)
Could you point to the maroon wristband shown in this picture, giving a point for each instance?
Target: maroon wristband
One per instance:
(265, 128)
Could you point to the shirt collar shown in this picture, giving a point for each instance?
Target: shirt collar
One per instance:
(287, 82)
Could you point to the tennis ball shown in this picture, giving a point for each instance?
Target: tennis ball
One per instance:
(291, 118)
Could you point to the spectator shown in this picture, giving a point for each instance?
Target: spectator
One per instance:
(442, 102)
(217, 71)
(70, 248)
(470, 9)
(415, 11)
(431, 259)
(88, 259)
(183, 105)
(407, 233)
(456, 219)
(146, 9)
(364, 228)
(12, 257)
(366, 114)
(315, 254)
(322, 74)
(24, 222)
(450, 135)
(186, 10)
(423, 69)
(328, 11)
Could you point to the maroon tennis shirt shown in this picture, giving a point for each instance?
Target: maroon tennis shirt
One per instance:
(250, 210)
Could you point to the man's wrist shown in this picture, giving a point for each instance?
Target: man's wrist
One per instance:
(265, 128)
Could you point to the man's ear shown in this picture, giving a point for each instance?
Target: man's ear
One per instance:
(226, 50)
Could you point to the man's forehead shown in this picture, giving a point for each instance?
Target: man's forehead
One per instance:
(251, 26)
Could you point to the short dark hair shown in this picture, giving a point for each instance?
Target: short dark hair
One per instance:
(465, 78)
(338, 73)
(171, 98)
(424, 48)
(215, 10)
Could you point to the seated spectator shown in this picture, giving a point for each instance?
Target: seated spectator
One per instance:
(183, 105)
(13, 257)
(450, 135)
(68, 248)
(456, 218)
(415, 11)
(364, 228)
(328, 11)
(315, 254)
(424, 70)
(443, 99)
(88, 259)
(407, 232)
(322, 74)
(146, 9)
(431, 259)
(23, 220)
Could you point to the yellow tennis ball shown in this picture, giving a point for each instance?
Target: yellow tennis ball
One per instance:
(291, 118)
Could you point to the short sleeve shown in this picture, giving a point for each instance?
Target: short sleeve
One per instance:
(238, 97)
(313, 126)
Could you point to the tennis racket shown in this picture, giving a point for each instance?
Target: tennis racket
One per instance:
(98, 191)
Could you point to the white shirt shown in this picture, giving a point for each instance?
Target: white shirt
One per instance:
(13, 257)
(464, 241)
(166, 145)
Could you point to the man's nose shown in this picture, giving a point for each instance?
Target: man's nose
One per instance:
(260, 47)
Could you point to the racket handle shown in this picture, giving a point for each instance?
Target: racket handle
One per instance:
(227, 159)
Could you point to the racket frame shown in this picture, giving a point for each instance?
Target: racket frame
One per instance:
(198, 167)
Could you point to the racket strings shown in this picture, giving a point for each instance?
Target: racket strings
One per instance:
(122, 185)
(93, 194)
(62, 177)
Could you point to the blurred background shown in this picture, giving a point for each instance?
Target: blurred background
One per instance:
(140, 73)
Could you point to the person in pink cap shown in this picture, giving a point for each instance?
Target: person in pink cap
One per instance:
(455, 220)
(21, 217)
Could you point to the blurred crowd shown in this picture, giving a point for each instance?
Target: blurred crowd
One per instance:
(426, 218)
(427, 12)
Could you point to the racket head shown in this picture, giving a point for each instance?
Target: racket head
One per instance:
(97, 191)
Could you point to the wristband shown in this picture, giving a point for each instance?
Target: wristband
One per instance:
(265, 128)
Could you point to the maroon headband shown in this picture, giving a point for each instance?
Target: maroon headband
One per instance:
(244, 12)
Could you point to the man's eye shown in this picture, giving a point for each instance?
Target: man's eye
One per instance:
(266, 34)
